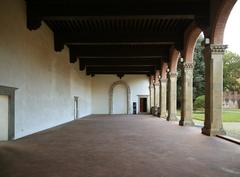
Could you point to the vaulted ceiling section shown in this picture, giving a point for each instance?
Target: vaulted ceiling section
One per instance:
(118, 37)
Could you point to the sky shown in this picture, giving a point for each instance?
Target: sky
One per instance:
(232, 30)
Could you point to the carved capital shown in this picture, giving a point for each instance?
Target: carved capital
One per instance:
(188, 66)
(163, 80)
(157, 83)
(173, 74)
(218, 48)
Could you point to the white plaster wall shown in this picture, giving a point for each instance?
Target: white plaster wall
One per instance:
(45, 80)
(139, 85)
(81, 86)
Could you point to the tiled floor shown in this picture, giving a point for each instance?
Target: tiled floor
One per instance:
(120, 146)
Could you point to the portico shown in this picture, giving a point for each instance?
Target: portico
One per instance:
(65, 60)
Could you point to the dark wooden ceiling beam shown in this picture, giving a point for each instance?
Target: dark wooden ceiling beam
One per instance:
(118, 51)
(113, 62)
(49, 9)
(120, 70)
(116, 38)
(126, 17)
(120, 73)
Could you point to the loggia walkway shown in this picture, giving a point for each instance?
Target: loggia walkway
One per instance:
(119, 146)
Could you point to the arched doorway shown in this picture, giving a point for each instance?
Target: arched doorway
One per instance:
(119, 99)
(119, 96)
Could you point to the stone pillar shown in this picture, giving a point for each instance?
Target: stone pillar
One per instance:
(151, 91)
(163, 98)
(172, 97)
(213, 55)
(156, 96)
(156, 93)
(187, 95)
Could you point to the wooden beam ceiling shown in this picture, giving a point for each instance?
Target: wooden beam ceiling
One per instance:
(119, 51)
(124, 36)
(117, 8)
(121, 62)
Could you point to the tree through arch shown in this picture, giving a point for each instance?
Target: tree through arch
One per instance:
(120, 82)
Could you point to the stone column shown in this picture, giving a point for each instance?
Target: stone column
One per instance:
(151, 92)
(187, 95)
(172, 97)
(213, 55)
(163, 98)
(156, 97)
(156, 93)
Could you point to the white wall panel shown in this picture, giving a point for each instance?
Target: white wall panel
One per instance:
(46, 81)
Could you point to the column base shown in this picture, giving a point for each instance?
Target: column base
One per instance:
(164, 116)
(152, 110)
(213, 132)
(172, 118)
(156, 111)
(186, 123)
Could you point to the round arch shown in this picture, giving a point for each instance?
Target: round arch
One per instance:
(221, 16)
(190, 38)
(174, 56)
(111, 95)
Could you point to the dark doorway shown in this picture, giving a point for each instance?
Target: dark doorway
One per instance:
(75, 107)
(143, 105)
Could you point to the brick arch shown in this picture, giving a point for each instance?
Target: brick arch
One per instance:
(173, 59)
(111, 95)
(190, 37)
(220, 19)
(164, 70)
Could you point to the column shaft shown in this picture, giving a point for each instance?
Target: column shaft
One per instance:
(163, 98)
(156, 97)
(214, 89)
(151, 89)
(187, 95)
(172, 97)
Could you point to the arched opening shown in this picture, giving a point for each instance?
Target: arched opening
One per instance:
(213, 56)
(186, 70)
(119, 96)
(231, 75)
(119, 99)
(198, 84)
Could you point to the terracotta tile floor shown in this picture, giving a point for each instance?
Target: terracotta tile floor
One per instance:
(120, 146)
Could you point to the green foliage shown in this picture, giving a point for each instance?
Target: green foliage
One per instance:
(199, 70)
(231, 71)
(229, 115)
(199, 103)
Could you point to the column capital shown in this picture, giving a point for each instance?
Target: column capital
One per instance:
(173, 74)
(188, 66)
(218, 48)
(163, 80)
(157, 84)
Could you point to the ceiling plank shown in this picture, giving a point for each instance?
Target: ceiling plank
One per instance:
(118, 51)
(120, 69)
(113, 62)
(116, 8)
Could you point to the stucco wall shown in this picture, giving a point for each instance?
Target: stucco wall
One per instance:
(101, 85)
(45, 79)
